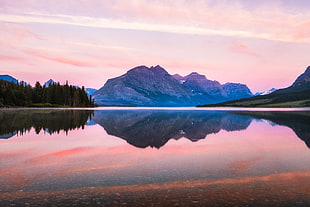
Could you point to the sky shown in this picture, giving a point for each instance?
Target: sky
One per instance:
(263, 44)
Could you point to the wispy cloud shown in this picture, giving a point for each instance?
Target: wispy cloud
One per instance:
(238, 47)
(15, 59)
(57, 58)
(199, 28)
(99, 46)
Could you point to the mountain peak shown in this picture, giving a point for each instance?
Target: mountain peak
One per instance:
(195, 75)
(177, 76)
(144, 69)
(237, 90)
(49, 82)
(138, 68)
(158, 69)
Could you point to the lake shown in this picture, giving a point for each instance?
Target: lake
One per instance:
(154, 157)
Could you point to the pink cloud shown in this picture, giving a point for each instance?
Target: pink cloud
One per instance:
(303, 31)
(242, 48)
(15, 59)
(57, 58)
(13, 34)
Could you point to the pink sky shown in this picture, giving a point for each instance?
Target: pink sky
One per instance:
(263, 44)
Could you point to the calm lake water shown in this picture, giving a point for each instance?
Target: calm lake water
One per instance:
(154, 157)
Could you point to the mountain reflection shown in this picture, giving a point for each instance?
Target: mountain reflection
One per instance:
(298, 121)
(51, 121)
(148, 128)
(143, 128)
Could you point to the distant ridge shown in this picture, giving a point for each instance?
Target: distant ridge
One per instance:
(8, 78)
(265, 92)
(49, 82)
(296, 95)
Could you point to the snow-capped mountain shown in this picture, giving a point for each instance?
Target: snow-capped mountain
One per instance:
(265, 92)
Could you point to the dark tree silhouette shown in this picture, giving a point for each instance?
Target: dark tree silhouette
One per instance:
(13, 95)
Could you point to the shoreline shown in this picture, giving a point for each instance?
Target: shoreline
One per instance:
(226, 108)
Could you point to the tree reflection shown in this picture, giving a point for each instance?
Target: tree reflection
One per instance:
(50, 121)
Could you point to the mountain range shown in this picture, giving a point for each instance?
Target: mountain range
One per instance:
(296, 95)
(154, 86)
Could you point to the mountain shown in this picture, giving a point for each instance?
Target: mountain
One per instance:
(179, 78)
(49, 82)
(143, 86)
(90, 91)
(303, 80)
(8, 78)
(154, 86)
(236, 90)
(296, 95)
(199, 85)
(265, 92)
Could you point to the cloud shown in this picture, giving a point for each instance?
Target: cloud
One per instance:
(181, 17)
(14, 33)
(99, 46)
(57, 58)
(14, 59)
(119, 24)
(238, 47)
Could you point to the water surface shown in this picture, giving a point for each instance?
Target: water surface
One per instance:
(159, 157)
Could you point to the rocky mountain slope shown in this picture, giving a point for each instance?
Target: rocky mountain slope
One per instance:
(143, 86)
(199, 84)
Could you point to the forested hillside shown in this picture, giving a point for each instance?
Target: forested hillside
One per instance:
(20, 95)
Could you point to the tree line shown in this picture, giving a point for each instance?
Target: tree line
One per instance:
(21, 95)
